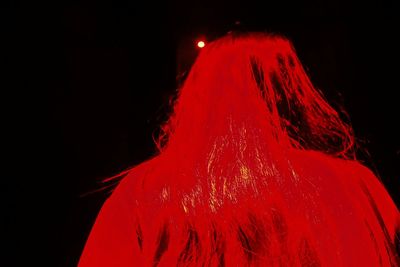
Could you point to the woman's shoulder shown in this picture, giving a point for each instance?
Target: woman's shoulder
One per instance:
(112, 240)
(356, 175)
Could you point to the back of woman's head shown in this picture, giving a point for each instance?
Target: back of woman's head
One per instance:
(255, 78)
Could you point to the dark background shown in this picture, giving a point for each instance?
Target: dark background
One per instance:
(85, 87)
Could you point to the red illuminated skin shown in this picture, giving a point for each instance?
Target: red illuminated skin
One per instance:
(237, 182)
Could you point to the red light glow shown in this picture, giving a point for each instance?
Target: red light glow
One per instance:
(201, 44)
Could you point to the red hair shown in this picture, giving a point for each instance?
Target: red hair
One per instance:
(255, 169)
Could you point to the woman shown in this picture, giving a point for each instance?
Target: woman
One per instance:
(255, 169)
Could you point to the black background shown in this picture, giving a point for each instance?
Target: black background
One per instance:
(86, 85)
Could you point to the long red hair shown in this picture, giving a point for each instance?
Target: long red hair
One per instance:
(256, 169)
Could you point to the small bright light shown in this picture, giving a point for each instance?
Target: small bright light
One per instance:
(201, 44)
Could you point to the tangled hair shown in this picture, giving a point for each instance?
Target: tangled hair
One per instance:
(255, 169)
(257, 75)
